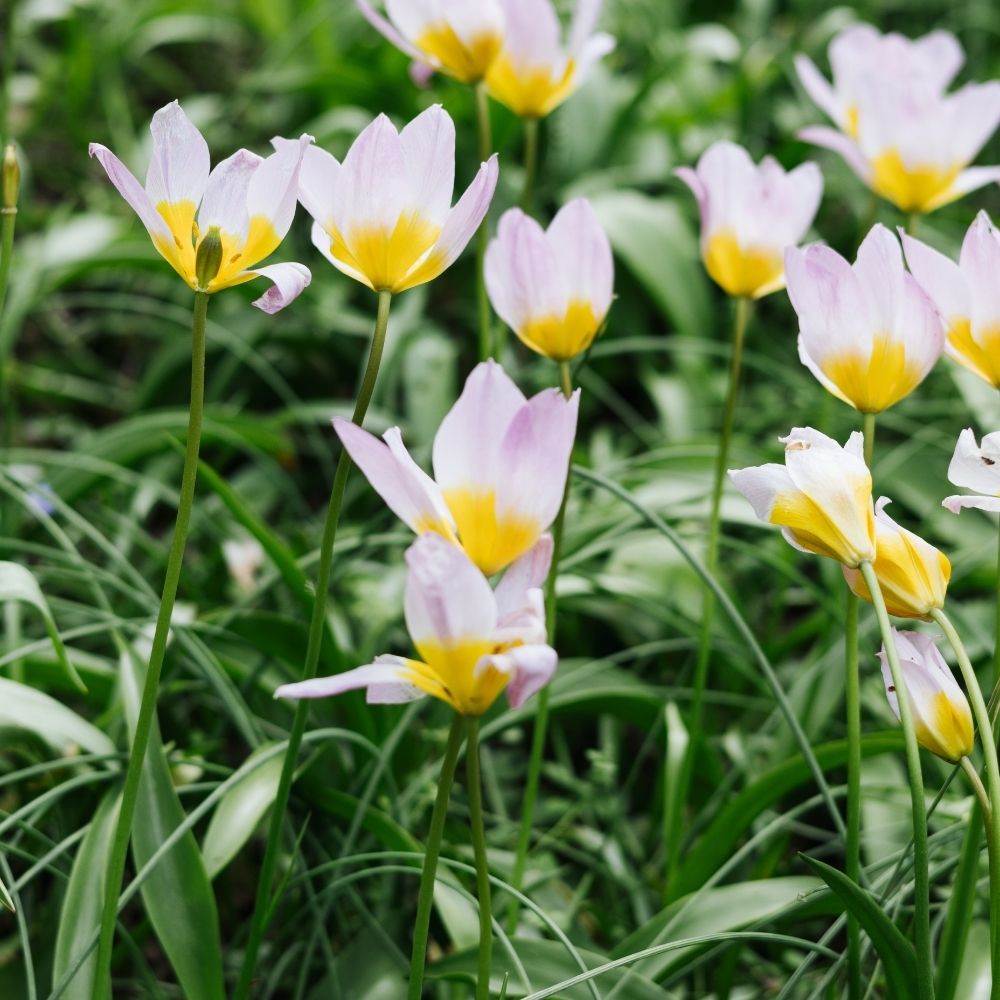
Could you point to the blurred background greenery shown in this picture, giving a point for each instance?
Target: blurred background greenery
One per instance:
(95, 351)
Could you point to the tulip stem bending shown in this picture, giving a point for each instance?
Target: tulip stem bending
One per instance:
(425, 899)
(482, 864)
(147, 706)
(542, 712)
(921, 876)
(486, 345)
(991, 809)
(263, 902)
(977, 786)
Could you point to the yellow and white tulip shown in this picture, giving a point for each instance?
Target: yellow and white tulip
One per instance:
(976, 468)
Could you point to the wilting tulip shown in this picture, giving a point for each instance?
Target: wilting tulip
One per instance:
(749, 214)
(821, 498)
(975, 468)
(867, 332)
(472, 643)
(862, 57)
(908, 140)
(457, 37)
(913, 575)
(941, 713)
(534, 72)
(966, 294)
(213, 228)
(500, 466)
(552, 288)
(384, 215)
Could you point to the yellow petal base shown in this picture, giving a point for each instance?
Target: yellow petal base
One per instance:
(390, 260)
(529, 92)
(816, 531)
(873, 382)
(449, 673)
(467, 62)
(981, 355)
(912, 189)
(563, 337)
(742, 271)
(492, 543)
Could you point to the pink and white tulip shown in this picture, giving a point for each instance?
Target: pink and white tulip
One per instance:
(976, 468)
(472, 642)
(535, 71)
(552, 287)
(749, 214)
(500, 466)
(867, 331)
(966, 294)
(461, 38)
(384, 216)
(247, 200)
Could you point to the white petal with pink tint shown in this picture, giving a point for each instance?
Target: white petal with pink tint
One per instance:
(529, 667)
(385, 680)
(429, 147)
(290, 280)
(179, 168)
(131, 190)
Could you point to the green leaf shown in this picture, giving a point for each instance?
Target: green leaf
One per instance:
(17, 584)
(81, 908)
(898, 956)
(177, 894)
(238, 813)
(24, 709)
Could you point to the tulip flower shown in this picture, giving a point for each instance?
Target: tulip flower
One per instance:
(966, 295)
(384, 215)
(821, 498)
(941, 713)
(534, 72)
(904, 137)
(458, 37)
(500, 466)
(552, 287)
(862, 57)
(472, 643)
(226, 220)
(912, 575)
(975, 468)
(867, 332)
(749, 214)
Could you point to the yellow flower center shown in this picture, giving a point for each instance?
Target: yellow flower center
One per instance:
(816, 531)
(912, 189)
(872, 382)
(563, 337)
(491, 542)
(531, 92)
(980, 355)
(449, 673)
(467, 62)
(949, 733)
(738, 270)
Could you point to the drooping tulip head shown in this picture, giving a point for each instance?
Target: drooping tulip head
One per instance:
(552, 287)
(214, 227)
(821, 498)
(500, 466)
(461, 38)
(966, 294)
(384, 216)
(868, 332)
(976, 468)
(472, 643)
(941, 713)
(535, 72)
(749, 214)
(913, 575)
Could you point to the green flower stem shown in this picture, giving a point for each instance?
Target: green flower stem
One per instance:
(542, 713)
(482, 863)
(425, 898)
(868, 428)
(977, 786)
(741, 315)
(961, 905)
(530, 163)
(921, 876)
(486, 345)
(147, 706)
(996, 644)
(262, 905)
(991, 813)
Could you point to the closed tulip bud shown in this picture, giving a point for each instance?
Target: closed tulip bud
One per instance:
(913, 575)
(976, 468)
(208, 258)
(821, 498)
(11, 177)
(941, 713)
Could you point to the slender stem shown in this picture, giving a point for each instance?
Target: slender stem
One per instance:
(482, 862)
(6, 67)
(486, 345)
(961, 906)
(977, 786)
(425, 898)
(921, 875)
(852, 685)
(912, 221)
(262, 904)
(992, 813)
(741, 314)
(8, 217)
(147, 706)
(996, 644)
(868, 428)
(542, 713)
(530, 163)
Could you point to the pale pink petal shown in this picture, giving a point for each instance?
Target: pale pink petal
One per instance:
(532, 34)
(318, 176)
(593, 50)
(973, 116)
(131, 190)
(583, 254)
(967, 181)
(524, 574)
(920, 327)
(940, 56)
(373, 188)
(321, 241)
(733, 189)
(179, 168)
(421, 74)
(797, 201)
(980, 263)
(940, 277)
(584, 22)
(225, 201)
(973, 467)
(818, 88)
(693, 181)
(290, 280)
(879, 271)
(429, 148)
(846, 147)
(530, 668)
(385, 680)
(274, 187)
(414, 17)
(386, 29)
(761, 484)
(955, 504)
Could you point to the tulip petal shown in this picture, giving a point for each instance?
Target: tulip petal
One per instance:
(956, 503)
(131, 190)
(940, 277)
(527, 573)
(290, 280)
(318, 177)
(321, 241)
(529, 667)
(429, 147)
(274, 188)
(973, 467)
(762, 485)
(225, 201)
(971, 179)
(385, 680)
(178, 171)
(846, 147)
(818, 88)
(584, 254)
(386, 29)
(373, 188)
